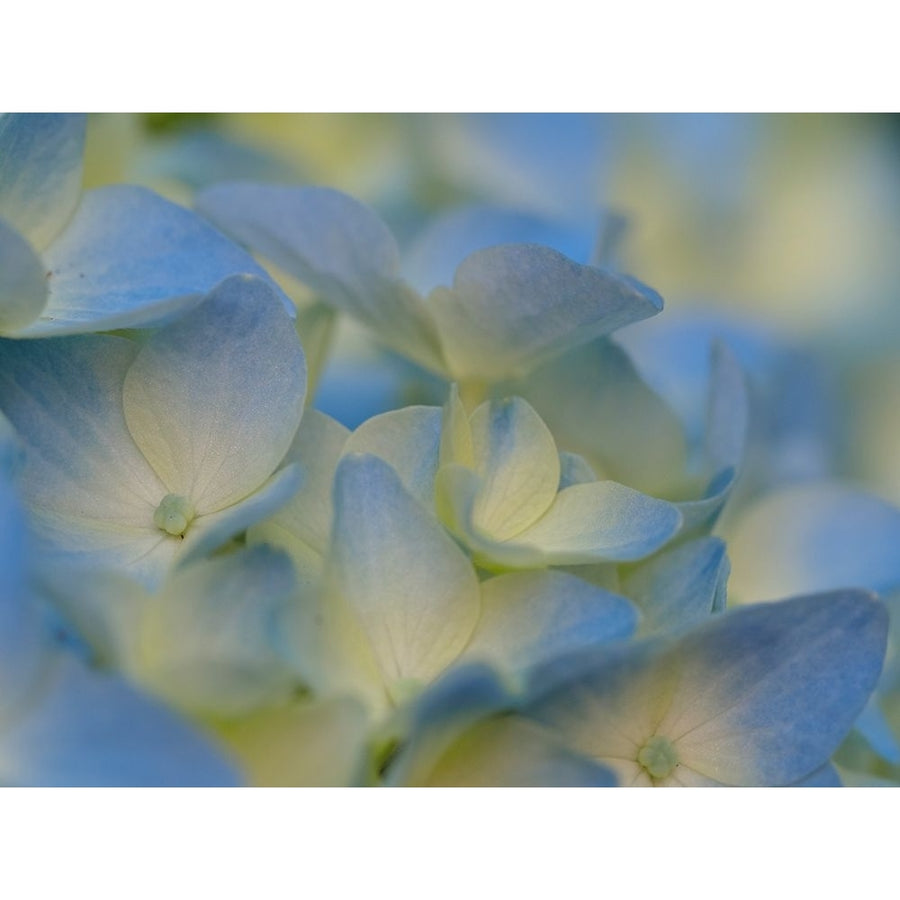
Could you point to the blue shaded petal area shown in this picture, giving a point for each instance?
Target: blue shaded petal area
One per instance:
(680, 588)
(40, 172)
(759, 696)
(130, 258)
(814, 537)
(528, 618)
(94, 730)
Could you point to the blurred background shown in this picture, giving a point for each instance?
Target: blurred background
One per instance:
(779, 230)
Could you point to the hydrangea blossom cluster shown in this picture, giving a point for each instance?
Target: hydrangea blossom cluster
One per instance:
(555, 561)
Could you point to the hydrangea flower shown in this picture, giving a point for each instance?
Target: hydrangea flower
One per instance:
(115, 257)
(757, 696)
(141, 454)
(508, 307)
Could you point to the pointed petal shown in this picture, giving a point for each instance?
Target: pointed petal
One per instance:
(207, 643)
(214, 399)
(131, 258)
(516, 305)
(530, 617)
(679, 588)
(728, 414)
(23, 286)
(516, 457)
(814, 537)
(40, 172)
(93, 730)
(409, 441)
(413, 590)
(335, 245)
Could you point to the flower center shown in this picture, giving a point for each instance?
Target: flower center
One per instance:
(658, 757)
(174, 514)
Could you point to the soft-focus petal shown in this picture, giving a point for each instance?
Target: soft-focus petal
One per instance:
(40, 172)
(207, 642)
(509, 751)
(529, 617)
(131, 258)
(321, 744)
(335, 245)
(23, 285)
(516, 305)
(93, 730)
(412, 588)
(214, 399)
(596, 404)
(814, 537)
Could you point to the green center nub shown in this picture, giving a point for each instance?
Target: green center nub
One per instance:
(658, 757)
(174, 514)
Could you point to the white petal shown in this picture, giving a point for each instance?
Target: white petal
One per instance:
(413, 590)
(516, 458)
(214, 399)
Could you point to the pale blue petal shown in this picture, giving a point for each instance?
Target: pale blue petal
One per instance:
(336, 246)
(23, 285)
(514, 306)
(40, 172)
(450, 238)
(530, 617)
(759, 696)
(93, 730)
(679, 588)
(214, 399)
(574, 469)
(413, 590)
(814, 537)
(728, 415)
(130, 258)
